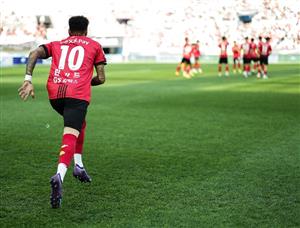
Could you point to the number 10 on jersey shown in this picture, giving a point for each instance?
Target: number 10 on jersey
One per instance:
(72, 63)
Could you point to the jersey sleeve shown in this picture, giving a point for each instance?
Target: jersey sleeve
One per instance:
(48, 49)
(100, 56)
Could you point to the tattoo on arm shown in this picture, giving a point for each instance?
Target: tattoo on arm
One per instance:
(100, 72)
(100, 78)
(33, 56)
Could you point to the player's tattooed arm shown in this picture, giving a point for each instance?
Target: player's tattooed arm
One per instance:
(38, 53)
(27, 88)
(100, 77)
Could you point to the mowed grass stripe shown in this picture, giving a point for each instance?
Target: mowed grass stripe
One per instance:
(162, 151)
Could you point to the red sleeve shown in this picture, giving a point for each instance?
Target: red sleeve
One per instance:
(48, 49)
(259, 45)
(100, 56)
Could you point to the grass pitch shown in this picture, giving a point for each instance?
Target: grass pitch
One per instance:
(163, 151)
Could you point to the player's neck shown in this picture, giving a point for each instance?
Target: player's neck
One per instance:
(77, 34)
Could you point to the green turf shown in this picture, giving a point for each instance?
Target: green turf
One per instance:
(163, 151)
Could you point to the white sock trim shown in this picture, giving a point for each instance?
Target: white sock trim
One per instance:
(62, 170)
(78, 159)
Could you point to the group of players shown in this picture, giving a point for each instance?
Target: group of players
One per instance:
(186, 66)
(254, 55)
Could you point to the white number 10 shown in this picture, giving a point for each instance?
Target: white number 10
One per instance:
(71, 64)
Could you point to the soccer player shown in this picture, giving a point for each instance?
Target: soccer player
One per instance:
(69, 90)
(246, 57)
(259, 45)
(196, 54)
(223, 57)
(236, 51)
(265, 51)
(254, 55)
(185, 64)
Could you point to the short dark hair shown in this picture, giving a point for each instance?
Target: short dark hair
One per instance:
(78, 24)
(223, 37)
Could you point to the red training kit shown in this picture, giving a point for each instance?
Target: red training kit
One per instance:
(72, 67)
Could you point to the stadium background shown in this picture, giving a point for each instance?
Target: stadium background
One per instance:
(152, 30)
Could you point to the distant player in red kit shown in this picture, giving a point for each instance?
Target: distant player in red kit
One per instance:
(185, 64)
(245, 47)
(259, 45)
(223, 56)
(236, 51)
(254, 54)
(196, 53)
(265, 51)
(69, 90)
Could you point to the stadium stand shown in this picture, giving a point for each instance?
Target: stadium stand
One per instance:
(148, 30)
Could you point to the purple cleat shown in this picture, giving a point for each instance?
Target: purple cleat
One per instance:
(56, 193)
(81, 174)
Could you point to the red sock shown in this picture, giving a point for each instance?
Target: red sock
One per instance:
(196, 66)
(239, 65)
(258, 69)
(219, 68)
(178, 68)
(67, 149)
(227, 68)
(187, 68)
(255, 66)
(80, 139)
(248, 68)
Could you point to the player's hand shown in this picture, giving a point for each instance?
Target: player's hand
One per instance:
(26, 90)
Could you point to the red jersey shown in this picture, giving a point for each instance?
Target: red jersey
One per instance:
(265, 49)
(260, 43)
(187, 51)
(223, 45)
(253, 50)
(236, 51)
(72, 67)
(196, 51)
(246, 50)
